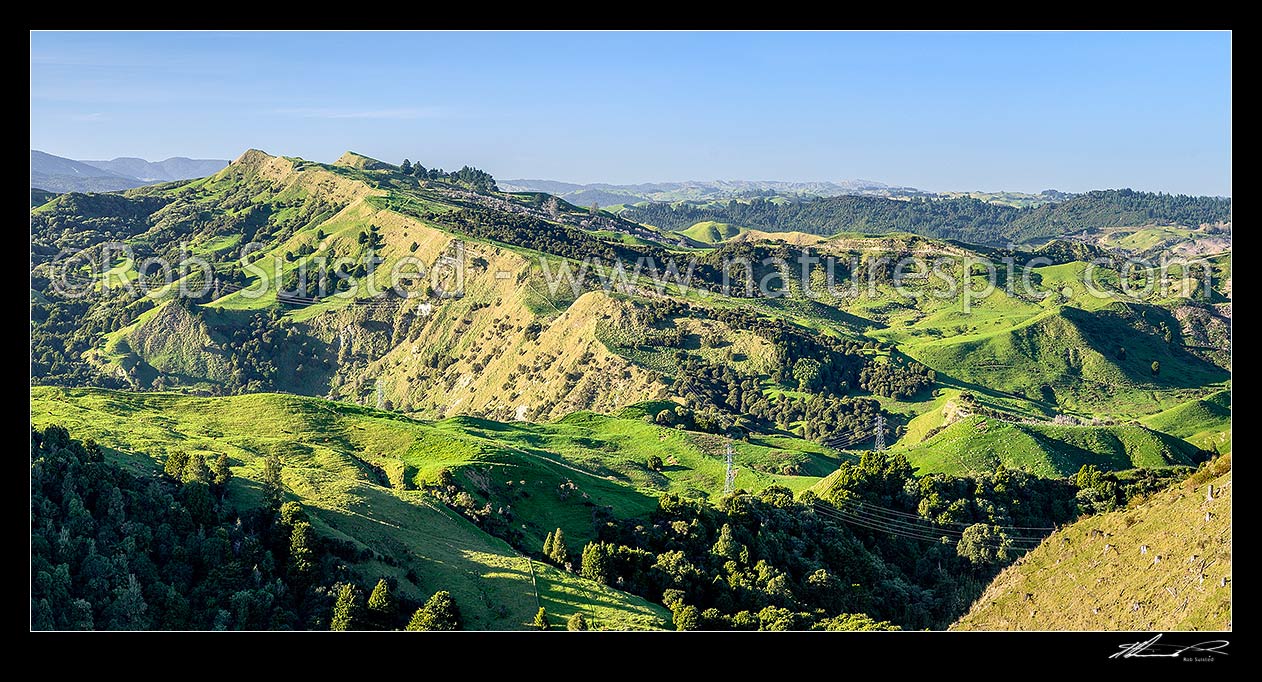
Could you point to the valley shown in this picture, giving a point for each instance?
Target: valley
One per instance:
(449, 375)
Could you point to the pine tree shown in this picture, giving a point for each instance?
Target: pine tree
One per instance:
(196, 469)
(273, 486)
(174, 466)
(439, 613)
(576, 622)
(292, 512)
(346, 609)
(541, 619)
(220, 471)
(560, 553)
(301, 550)
(406, 167)
(381, 606)
(595, 562)
(547, 545)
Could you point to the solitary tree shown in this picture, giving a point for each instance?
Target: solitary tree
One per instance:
(807, 373)
(1156, 367)
(541, 619)
(406, 167)
(547, 545)
(655, 463)
(576, 622)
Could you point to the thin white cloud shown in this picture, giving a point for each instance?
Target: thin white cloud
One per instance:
(380, 114)
(93, 116)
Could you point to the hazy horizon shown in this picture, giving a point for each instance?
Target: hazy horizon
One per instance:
(993, 111)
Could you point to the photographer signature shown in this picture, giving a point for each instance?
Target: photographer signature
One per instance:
(1154, 649)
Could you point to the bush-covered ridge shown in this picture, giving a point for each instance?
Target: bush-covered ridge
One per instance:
(961, 218)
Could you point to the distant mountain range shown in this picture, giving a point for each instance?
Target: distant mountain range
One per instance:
(701, 190)
(704, 191)
(59, 174)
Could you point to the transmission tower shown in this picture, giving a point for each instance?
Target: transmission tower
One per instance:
(729, 482)
(880, 432)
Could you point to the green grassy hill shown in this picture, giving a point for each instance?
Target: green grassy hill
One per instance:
(979, 444)
(512, 349)
(365, 471)
(711, 232)
(1205, 422)
(1077, 360)
(345, 463)
(1096, 574)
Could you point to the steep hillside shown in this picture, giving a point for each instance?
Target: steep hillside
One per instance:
(350, 466)
(979, 443)
(1205, 422)
(1077, 359)
(512, 337)
(604, 457)
(1162, 564)
(439, 355)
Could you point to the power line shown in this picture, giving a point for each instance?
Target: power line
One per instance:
(952, 531)
(922, 534)
(895, 512)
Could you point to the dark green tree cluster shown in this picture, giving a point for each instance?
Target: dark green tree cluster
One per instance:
(770, 561)
(115, 550)
(818, 418)
(897, 378)
(1103, 491)
(963, 218)
(383, 610)
(78, 221)
(569, 242)
(270, 353)
(720, 399)
(62, 331)
(467, 175)
(1113, 207)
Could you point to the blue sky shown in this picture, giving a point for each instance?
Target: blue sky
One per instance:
(939, 111)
